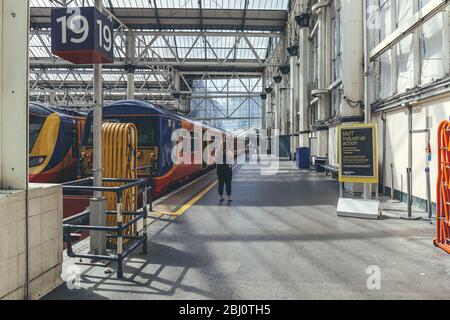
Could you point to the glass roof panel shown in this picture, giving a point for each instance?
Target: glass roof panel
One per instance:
(187, 4)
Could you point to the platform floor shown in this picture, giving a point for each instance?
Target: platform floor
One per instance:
(280, 239)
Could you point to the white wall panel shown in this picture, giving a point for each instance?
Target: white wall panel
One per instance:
(397, 145)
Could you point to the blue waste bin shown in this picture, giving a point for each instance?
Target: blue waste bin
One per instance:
(303, 158)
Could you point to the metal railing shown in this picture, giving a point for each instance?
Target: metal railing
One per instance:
(116, 232)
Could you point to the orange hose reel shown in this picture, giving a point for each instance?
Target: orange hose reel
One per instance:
(443, 188)
(120, 146)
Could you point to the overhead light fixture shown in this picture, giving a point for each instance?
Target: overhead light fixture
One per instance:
(269, 90)
(293, 51)
(264, 96)
(285, 69)
(303, 20)
(277, 79)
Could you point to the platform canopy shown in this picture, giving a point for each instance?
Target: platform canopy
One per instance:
(269, 15)
(188, 34)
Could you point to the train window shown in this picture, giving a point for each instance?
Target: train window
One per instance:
(146, 130)
(36, 124)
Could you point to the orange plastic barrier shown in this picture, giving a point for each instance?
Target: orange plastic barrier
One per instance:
(443, 189)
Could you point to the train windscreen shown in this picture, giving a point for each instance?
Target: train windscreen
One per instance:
(146, 130)
(36, 124)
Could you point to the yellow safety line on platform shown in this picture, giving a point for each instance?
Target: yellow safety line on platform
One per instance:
(188, 205)
(194, 200)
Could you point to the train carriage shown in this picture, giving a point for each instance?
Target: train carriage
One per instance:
(155, 128)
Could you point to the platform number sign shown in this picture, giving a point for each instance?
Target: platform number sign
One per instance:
(82, 35)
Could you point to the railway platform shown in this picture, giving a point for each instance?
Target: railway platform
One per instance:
(279, 239)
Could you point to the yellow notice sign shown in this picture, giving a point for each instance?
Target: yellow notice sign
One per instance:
(357, 149)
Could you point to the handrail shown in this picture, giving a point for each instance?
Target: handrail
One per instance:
(120, 228)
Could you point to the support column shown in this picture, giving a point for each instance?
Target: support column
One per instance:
(130, 85)
(352, 52)
(177, 86)
(285, 105)
(264, 104)
(323, 79)
(14, 24)
(276, 107)
(131, 50)
(52, 99)
(98, 216)
(268, 115)
(304, 85)
(293, 91)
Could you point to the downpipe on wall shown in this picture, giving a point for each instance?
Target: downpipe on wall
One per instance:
(367, 110)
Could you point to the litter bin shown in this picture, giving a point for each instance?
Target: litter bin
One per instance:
(303, 158)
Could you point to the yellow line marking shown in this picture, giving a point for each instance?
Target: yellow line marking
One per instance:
(161, 213)
(193, 201)
(189, 204)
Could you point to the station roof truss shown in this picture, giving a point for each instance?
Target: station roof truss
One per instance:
(194, 39)
(267, 15)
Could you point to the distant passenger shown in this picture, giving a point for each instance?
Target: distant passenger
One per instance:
(225, 172)
(247, 153)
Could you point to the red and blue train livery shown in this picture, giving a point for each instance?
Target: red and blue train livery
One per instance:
(155, 127)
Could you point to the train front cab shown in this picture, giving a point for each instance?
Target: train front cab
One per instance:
(148, 136)
(54, 145)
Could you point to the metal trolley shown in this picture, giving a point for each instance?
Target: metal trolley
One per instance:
(116, 232)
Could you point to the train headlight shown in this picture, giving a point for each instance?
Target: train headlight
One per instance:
(140, 155)
(36, 161)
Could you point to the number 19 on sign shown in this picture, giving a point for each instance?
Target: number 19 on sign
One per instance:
(82, 35)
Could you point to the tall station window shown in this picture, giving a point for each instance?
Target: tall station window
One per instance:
(231, 104)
